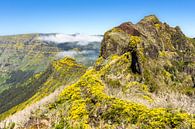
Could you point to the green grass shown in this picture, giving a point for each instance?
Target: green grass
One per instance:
(61, 72)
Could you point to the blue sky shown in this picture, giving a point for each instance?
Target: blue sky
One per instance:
(90, 16)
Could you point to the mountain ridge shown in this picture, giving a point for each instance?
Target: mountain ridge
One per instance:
(24, 56)
(143, 78)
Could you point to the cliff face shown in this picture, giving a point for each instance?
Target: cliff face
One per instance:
(157, 50)
(144, 78)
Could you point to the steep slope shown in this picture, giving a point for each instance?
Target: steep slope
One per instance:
(162, 56)
(24, 56)
(21, 57)
(144, 78)
(58, 74)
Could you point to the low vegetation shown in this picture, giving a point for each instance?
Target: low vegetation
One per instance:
(144, 78)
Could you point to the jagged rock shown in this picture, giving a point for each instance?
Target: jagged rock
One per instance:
(114, 42)
(129, 28)
(157, 40)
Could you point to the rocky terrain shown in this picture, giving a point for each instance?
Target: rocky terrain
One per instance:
(144, 78)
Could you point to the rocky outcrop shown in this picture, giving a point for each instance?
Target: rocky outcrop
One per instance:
(158, 41)
(129, 28)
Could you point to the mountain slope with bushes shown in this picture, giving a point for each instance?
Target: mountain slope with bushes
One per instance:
(22, 57)
(59, 74)
(144, 78)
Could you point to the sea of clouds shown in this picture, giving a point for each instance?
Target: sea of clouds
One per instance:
(63, 38)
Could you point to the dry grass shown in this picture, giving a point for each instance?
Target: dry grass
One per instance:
(118, 93)
(21, 117)
(164, 99)
(174, 100)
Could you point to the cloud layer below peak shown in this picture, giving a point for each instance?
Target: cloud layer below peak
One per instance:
(62, 38)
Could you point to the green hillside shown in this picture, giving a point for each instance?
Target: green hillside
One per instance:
(59, 73)
(22, 57)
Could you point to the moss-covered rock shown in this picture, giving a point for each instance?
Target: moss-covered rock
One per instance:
(155, 47)
(115, 41)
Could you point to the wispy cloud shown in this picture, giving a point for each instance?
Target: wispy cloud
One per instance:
(62, 38)
(70, 53)
(73, 53)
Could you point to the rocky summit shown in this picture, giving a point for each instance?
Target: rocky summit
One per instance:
(144, 78)
(154, 47)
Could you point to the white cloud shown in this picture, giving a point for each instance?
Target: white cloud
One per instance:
(61, 38)
(73, 53)
(70, 53)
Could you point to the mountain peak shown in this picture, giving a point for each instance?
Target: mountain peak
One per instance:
(149, 39)
(129, 28)
(150, 19)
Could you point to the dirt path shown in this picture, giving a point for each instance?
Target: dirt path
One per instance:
(23, 116)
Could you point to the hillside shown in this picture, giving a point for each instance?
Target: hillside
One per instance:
(144, 78)
(59, 74)
(24, 56)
